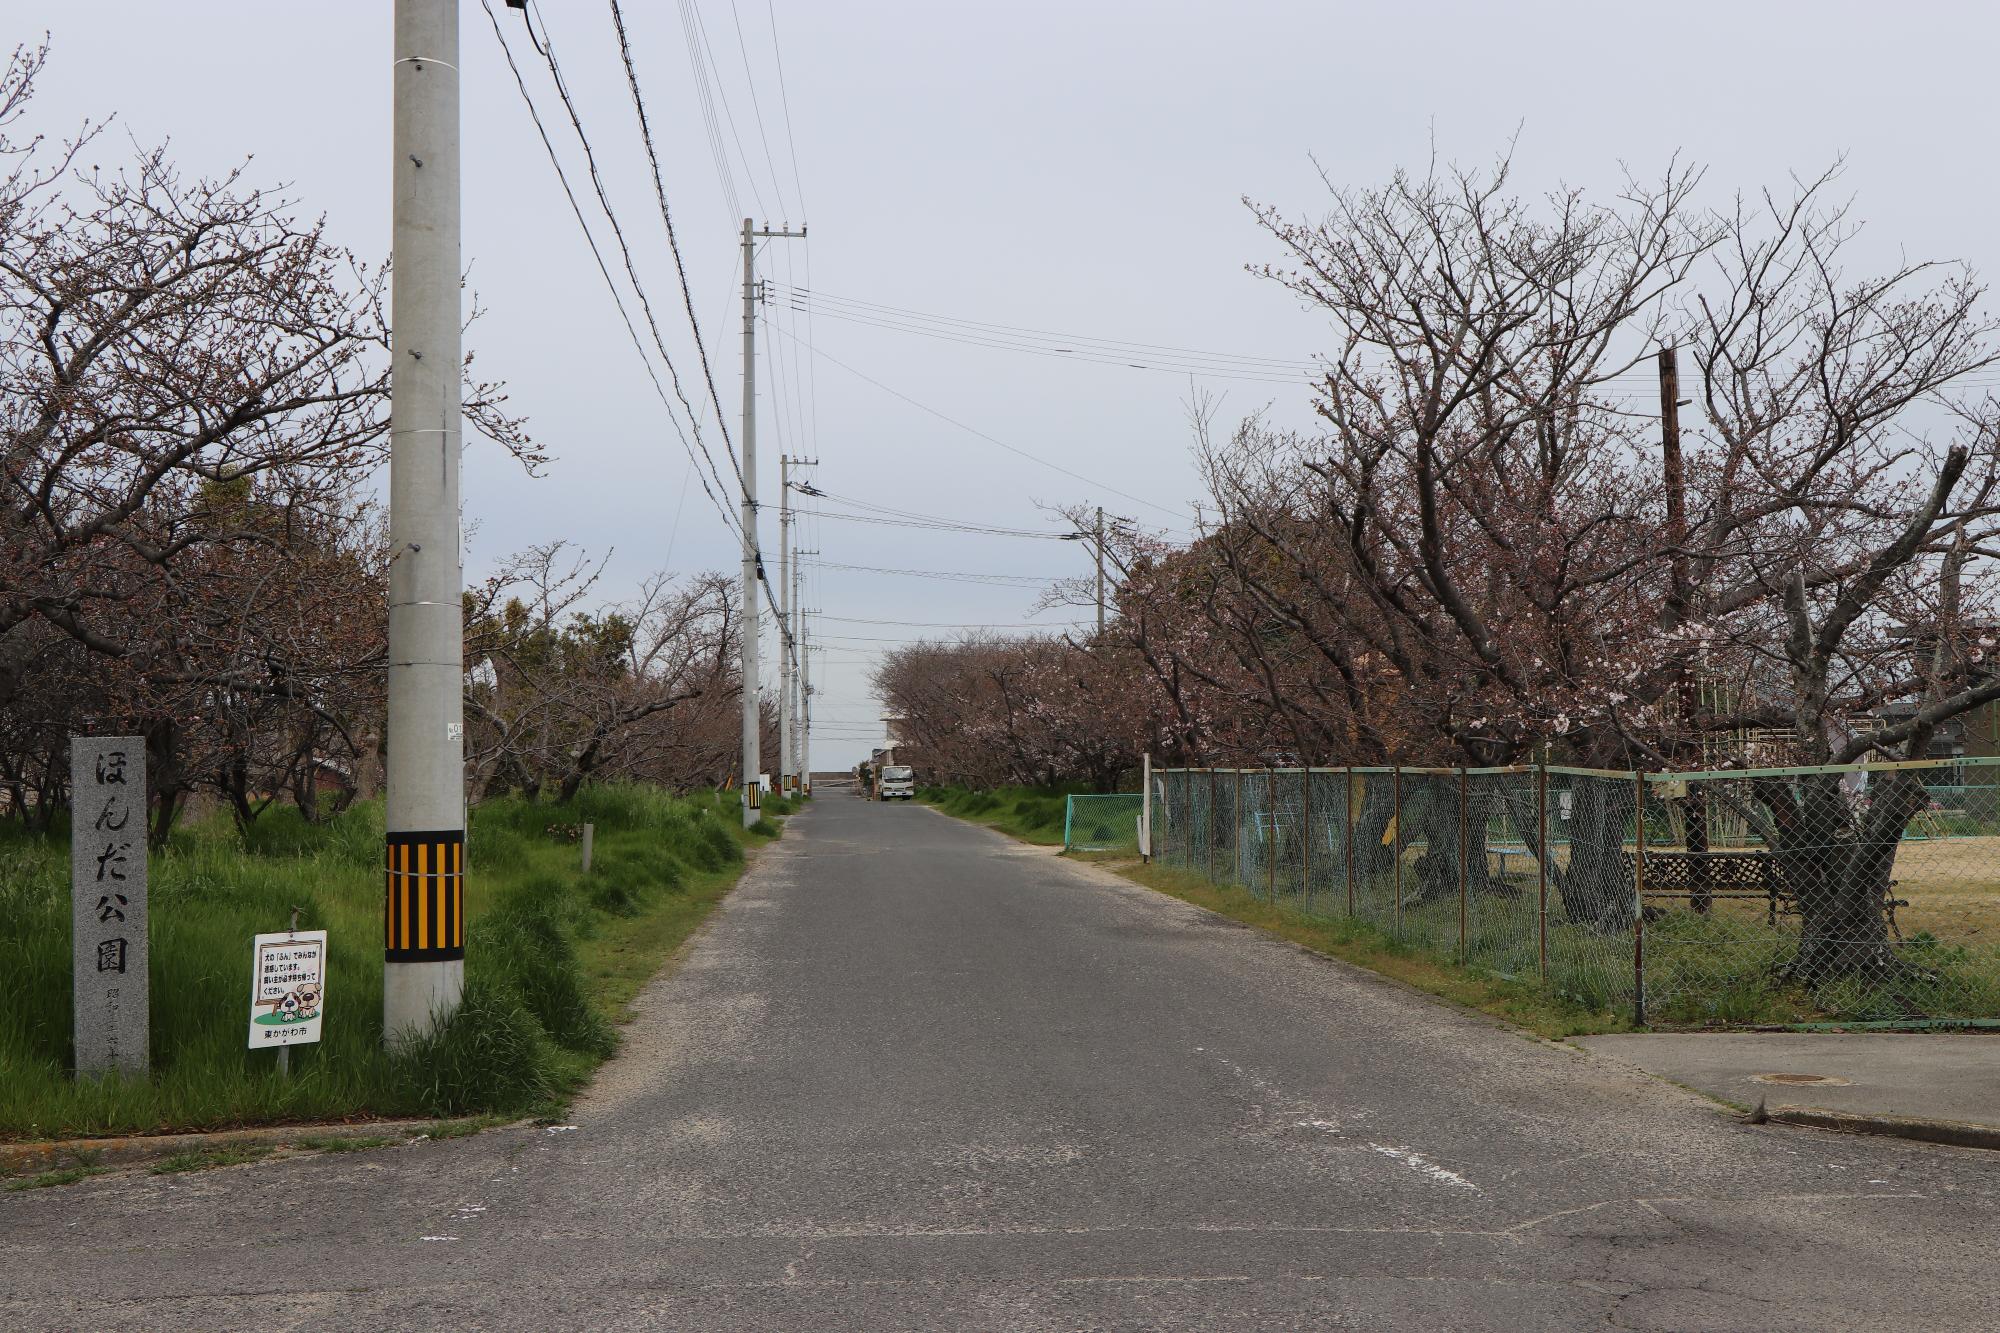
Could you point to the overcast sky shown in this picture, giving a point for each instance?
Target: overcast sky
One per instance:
(1073, 167)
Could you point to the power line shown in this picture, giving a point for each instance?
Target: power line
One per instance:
(548, 50)
(1070, 354)
(828, 303)
(604, 269)
(791, 142)
(729, 115)
(990, 439)
(956, 576)
(958, 624)
(1057, 345)
(934, 526)
(908, 639)
(811, 387)
(711, 123)
(667, 217)
(756, 107)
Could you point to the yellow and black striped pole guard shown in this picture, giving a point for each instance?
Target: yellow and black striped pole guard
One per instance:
(423, 916)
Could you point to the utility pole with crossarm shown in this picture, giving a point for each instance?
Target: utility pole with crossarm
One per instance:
(753, 556)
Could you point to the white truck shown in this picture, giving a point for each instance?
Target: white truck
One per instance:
(899, 782)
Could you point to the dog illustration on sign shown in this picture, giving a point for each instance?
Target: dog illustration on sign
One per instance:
(296, 1005)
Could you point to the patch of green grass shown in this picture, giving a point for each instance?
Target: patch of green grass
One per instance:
(332, 1143)
(553, 956)
(1355, 940)
(208, 1159)
(466, 1128)
(1032, 814)
(67, 1175)
(1716, 970)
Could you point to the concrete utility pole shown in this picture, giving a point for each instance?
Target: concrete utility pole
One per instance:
(1100, 571)
(795, 696)
(423, 972)
(752, 554)
(805, 705)
(785, 768)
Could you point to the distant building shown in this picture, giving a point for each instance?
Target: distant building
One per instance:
(900, 748)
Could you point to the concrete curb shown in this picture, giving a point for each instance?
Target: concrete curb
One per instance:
(52, 1154)
(1953, 1133)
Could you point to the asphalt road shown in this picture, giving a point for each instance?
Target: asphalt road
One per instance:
(914, 1075)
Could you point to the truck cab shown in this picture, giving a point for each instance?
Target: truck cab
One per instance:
(899, 782)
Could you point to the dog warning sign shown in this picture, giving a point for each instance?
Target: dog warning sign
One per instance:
(287, 988)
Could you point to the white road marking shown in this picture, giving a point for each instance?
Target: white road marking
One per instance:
(1416, 1161)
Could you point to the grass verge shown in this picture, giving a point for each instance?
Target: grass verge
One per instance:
(208, 1159)
(67, 1175)
(553, 958)
(1032, 814)
(1356, 941)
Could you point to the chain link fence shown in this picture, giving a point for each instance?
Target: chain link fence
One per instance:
(1103, 823)
(1864, 893)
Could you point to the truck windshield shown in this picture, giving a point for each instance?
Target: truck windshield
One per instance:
(896, 773)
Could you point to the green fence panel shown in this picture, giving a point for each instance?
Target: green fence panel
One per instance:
(1103, 823)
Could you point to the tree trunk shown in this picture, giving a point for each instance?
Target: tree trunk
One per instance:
(168, 782)
(1837, 863)
(1596, 886)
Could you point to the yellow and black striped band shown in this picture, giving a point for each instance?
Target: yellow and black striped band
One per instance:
(423, 914)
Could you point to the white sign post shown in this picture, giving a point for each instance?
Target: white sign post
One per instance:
(287, 988)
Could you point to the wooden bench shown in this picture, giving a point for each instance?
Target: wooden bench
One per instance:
(1751, 874)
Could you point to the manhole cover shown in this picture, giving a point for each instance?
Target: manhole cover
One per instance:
(1822, 1080)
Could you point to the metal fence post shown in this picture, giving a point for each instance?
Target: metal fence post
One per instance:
(1213, 783)
(1306, 840)
(1271, 847)
(1347, 839)
(1464, 869)
(1396, 843)
(1146, 810)
(1542, 854)
(1639, 900)
(1187, 819)
(1236, 843)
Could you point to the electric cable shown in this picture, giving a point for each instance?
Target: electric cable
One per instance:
(617, 298)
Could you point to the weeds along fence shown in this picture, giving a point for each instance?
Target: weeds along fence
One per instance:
(1863, 893)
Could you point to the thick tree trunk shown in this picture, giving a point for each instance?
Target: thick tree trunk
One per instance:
(1596, 886)
(1837, 862)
